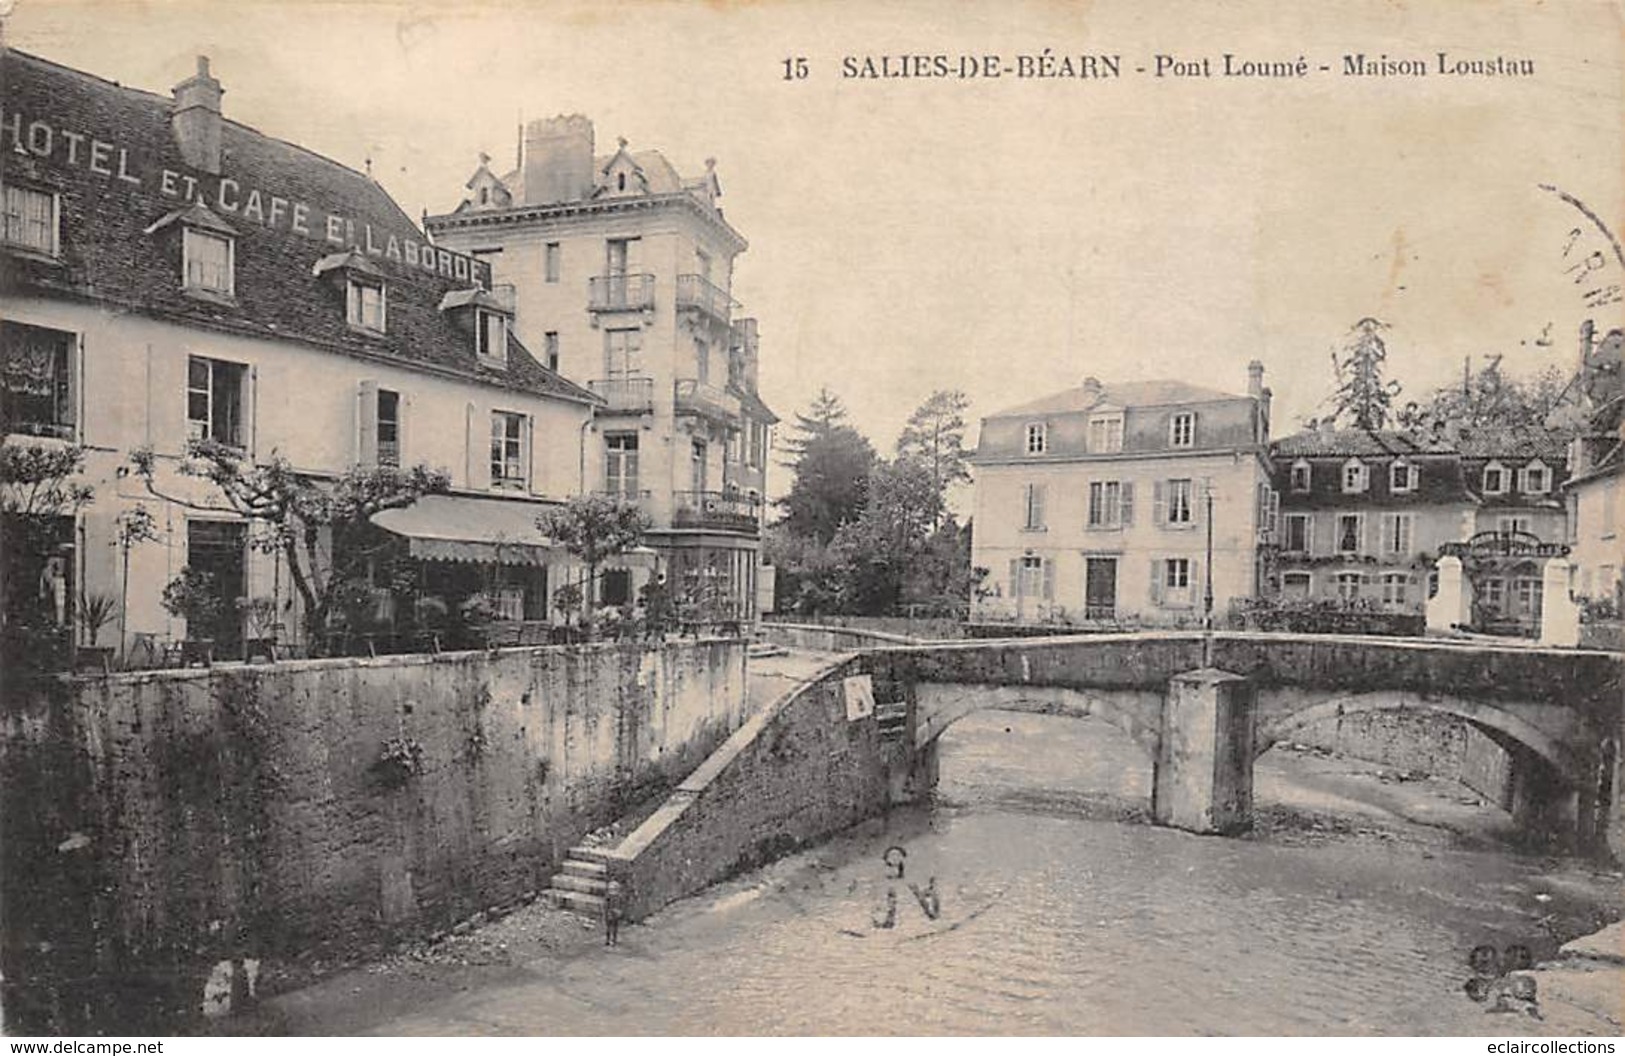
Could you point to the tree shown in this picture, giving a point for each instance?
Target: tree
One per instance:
(1491, 406)
(38, 490)
(902, 505)
(935, 436)
(831, 463)
(323, 528)
(1363, 398)
(940, 580)
(594, 528)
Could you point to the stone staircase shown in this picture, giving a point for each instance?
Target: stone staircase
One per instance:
(579, 885)
(892, 718)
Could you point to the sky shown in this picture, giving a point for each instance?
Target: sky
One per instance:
(1008, 236)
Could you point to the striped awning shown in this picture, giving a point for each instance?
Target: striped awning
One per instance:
(465, 528)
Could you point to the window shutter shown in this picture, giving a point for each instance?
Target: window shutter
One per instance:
(478, 469)
(251, 411)
(528, 445)
(1159, 503)
(1196, 591)
(1049, 579)
(1275, 509)
(1038, 505)
(1127, 502)
(1196, 423)
(403, 422)
(366, 418)
(1015, 577)
(1197, 501)
(1156, 580)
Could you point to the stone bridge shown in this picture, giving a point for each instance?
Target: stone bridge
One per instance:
(820, 759)
(1558, 713)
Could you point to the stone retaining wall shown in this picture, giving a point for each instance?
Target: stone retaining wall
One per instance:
(156, 826)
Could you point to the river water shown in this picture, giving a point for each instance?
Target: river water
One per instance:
(1059, 911)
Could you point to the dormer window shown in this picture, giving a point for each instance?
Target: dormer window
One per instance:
(209, 261)
(1537, 479)
(1106, 433)
(1401, 477)
(1495, 479)
(30, 219)
(1037, 438)
(1182, 430)
(491, 338)
(1356, 478)
(365, 304)
(1300, 475)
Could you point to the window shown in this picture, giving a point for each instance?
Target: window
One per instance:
(214, 400)
(389, 428)
(1396, 532)
(621, 464)
(1495, 479)
(29, 219)
(1299, 531)
(1182, 430)
(1511, 523)
(550, 346)
(1526, 597)
(208, 262)
(758, 444)
(1179, 502)
(1105, 504)
(1348, 584)
(1106, 433)
(1036, 438)
(1349, 527)
(623, 353)
(1030, 583)
(1355, 476)
(1296, 584)
(550, 261)
(1401, 476)
(1495, 594)
(37, 392)
(1536, 481)
(491, 338)
(1178, 573)
(1034, 502)
(1395, 589)
(365, 305)
(702, 361)
(1173, 581)
(1300, 475)
(698, 471)
(508, 468)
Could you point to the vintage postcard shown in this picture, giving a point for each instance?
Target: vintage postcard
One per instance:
(547, 517)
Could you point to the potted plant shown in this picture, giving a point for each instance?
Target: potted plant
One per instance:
(95, 611)
(259, 627)
(567, 600)
(193, 596)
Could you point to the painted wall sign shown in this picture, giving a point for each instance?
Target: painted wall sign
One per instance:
(232, 198)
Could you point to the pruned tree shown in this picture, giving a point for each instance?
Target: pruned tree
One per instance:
(1363, 397)
(1491, 405)
(322, 527)
(594, 528)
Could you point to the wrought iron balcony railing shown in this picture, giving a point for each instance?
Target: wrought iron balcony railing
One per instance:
(696, 293)
(620, 293)
(625, 394)
(691, 396)
(714, 509)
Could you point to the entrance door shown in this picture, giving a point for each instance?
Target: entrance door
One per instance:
(1100, 588)
(217, 547)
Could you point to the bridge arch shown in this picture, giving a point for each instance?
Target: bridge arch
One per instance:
(1500, 724)
(939, 705)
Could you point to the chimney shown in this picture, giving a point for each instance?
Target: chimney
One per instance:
(1091, 386)
(746, 339)
(1256, 389)
(558, 160)
(196, 119)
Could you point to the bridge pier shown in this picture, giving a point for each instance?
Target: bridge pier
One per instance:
(1202, 779)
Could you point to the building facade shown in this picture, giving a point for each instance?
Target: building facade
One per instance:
(1594, 497)
(622, 270)
(1365, 515)
(1095, 505)
(171, 275)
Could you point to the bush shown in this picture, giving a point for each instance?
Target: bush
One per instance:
(1322, 616)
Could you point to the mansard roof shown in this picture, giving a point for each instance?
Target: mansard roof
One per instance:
(110, 153)
(1118, 396)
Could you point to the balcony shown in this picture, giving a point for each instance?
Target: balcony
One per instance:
(692, 396)
(625, 395)
(713, 509)
(621, 293)
(697, 294)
